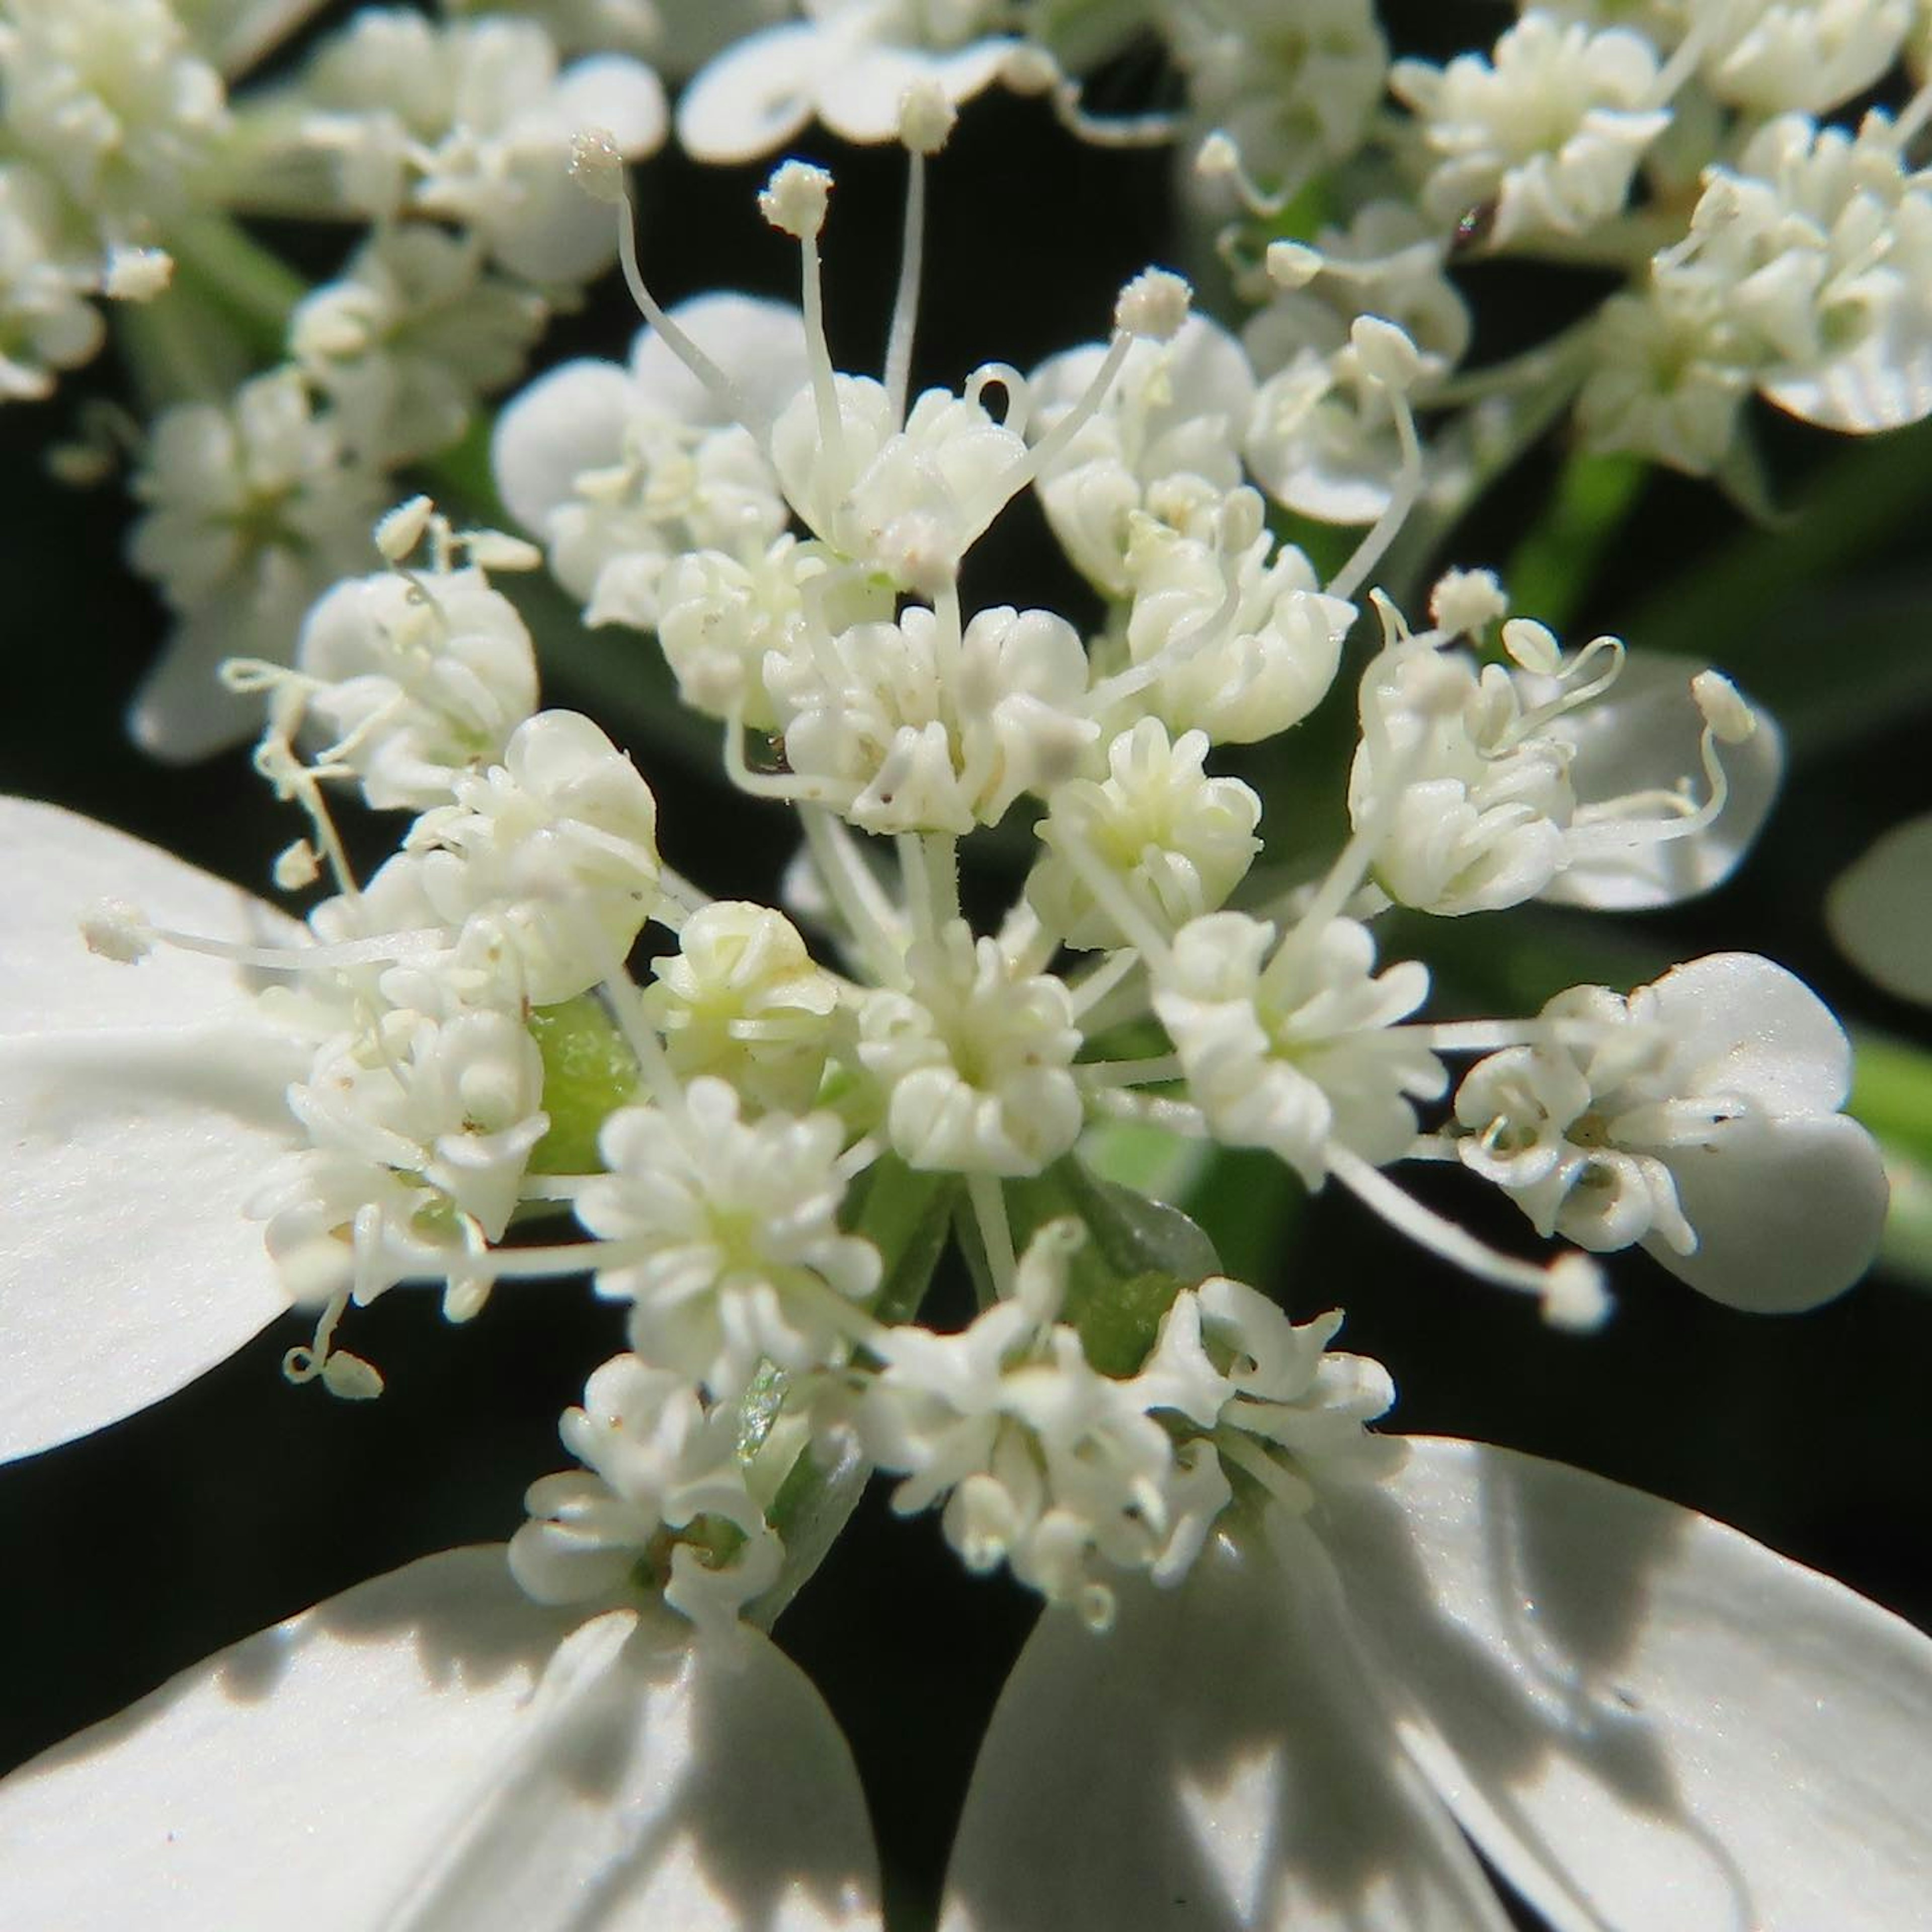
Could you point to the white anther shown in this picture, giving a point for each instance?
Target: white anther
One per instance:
(1533, 646)
(1731, 721)
(1386, 355)
(927, 118)
(402, 529)
(1154, 305)
(118, 931)
(1217, 157)
(1293, 265)
(597, 165)
(795, 201)
(137, 274)
(1574, 1296)
(1464, 601)
(296, 866)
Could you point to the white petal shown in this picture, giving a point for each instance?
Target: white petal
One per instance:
(618, 96)
(182, 712)
(1643, 737)
(1644, 1718)
(1216, 1760)
(140, 1106)
(566, 422)
(1885, 382)
(1788, 1212)
(756, 97)
(1742, 1025)
(759, 344)
(859, 98)
(432, 1750)
(1880, 911)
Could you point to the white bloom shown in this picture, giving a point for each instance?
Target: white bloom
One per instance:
(473, 121)
(921, 726)
(1549, 129)
(661, 1503)
(849, 62)
(741, 999)
(621, 471)
(723, 1237)
(1606, 1691)
(421, 675)
(1668, 375)
(1293, 89)
(109, 97)
(489, 1762)
(1700, 1117)
(47, 324)
(1241, 641)
(1171, 419)
(1178, 840)
(1807, 56)
(252, 510)
(1294, 1046)
(554, 849)
(1880, 910)
(974, 1061)
(408, 338)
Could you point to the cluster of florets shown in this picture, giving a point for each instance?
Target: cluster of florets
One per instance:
(764, 1120)
(753, 1113)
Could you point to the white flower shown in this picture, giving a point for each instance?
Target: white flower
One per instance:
(921, 726)
(1607, 1692)
(621, 471)
(662, 1503)
(252, 510)
(1179, 841)
(1779, 56)
(410, 334)
(723, 1237)
(1549, 130)
(111, 99)
(1294, 1046)
(849, 62)
(974, 1060)
(422, 675)
(473, 121)
(1699, 1117)
(1170, 418)
(47, 324)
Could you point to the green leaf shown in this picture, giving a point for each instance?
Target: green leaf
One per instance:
(588, 1072)
(905, 1215)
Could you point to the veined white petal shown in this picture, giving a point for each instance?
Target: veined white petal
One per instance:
(758, 95)
(139, 1105)
(1880, 910)
(1216, 1759)
(566, 422)
(759, 343)
(1788, 1211)
(1643, 1717)
(430, 1750)
(618, 96)
(1642, 736)
(181, 713)
(859, 98)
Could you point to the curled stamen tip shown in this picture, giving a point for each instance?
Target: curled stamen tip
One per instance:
(1574, 1296)
(1217, 157)
(1292, 265)
(402, 529)
(926, 118)
(1029, 69)
(117, 930)
(794, 201)
(1730, 718)
(597, 165)
(1154, 305)
(1533, 646)
(1386, 355)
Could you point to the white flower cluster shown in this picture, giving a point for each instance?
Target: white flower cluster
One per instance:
(524, 1048)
